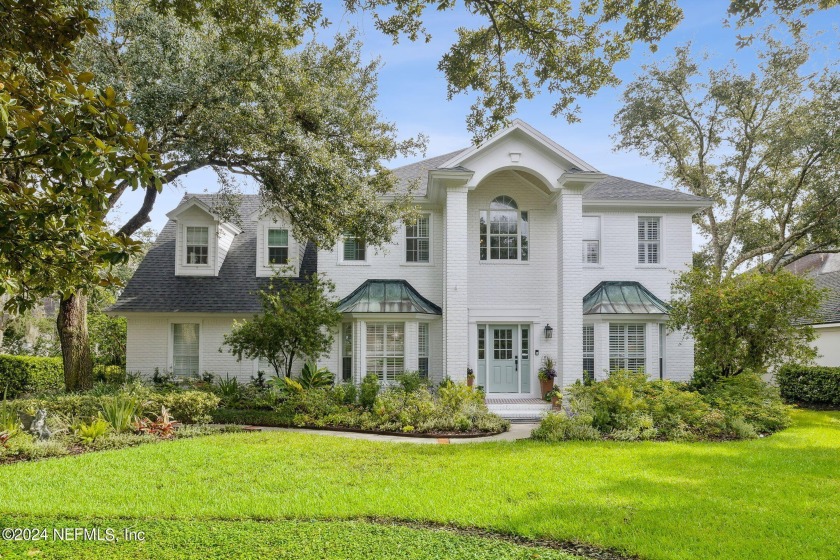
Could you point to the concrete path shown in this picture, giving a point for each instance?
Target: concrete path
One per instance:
(517, 431)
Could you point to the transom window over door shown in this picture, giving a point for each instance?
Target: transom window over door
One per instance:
(627, 347)
(649, 240)
(278, 246)
(503, 231)
(198, 243)
(417, 240)
(386, 350)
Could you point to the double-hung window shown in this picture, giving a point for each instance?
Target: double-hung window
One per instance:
(589, 352)
(591, 239)
(417, 240)
(185, 349)
(347, 351)
(354, 248)
(503, 231)
(198, 244)
(423, 349)
(278, 246)
(627, 347)
(386, 350)
(650, 236)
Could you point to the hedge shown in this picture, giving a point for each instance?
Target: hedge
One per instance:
(20, 374)
(810, 385)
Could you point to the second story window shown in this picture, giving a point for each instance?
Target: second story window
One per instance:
(198, 243)
(354, 248)
(649, 240)
(503, 231)
(591, 239)
(417, 240)
(278, 246)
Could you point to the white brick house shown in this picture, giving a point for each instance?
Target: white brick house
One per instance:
(522, 251)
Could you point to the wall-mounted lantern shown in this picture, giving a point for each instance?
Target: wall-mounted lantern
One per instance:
(548, 331)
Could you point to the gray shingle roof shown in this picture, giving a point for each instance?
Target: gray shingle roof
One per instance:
(155, 288)
(830, 308)
(620, 189)
(610, 188)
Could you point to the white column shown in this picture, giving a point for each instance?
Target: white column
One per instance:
(455, 326)
(570, 284)
(410, 348)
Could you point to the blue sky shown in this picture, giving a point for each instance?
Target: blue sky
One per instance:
(413, 93)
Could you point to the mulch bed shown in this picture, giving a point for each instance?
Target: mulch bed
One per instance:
(427, 435)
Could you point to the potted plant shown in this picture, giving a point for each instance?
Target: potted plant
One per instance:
(547, 375)
(555, 396)
(470, 377)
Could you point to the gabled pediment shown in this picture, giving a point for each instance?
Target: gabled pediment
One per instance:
(193, 208)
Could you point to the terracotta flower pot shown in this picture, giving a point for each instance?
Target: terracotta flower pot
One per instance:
(555, 402)
(470, 380)
(545, 386)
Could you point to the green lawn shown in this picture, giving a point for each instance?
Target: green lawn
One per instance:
(777, 497)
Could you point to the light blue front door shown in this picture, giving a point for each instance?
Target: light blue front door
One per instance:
(504, 359)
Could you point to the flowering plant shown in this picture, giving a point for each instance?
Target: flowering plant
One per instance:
(547, 371)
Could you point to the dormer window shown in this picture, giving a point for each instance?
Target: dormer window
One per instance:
(503, 231)
(198, 243)
(278, 246)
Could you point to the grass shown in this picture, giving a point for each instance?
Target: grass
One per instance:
(284, 539)
(775, 497)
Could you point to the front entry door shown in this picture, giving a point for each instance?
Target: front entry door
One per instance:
(504, 359)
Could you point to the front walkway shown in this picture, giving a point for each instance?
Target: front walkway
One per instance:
(516, 432)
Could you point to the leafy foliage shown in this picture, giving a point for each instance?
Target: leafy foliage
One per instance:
(810, 385)
(628, 407)
(120, 411)
(163, 426)
(747, 322)
(297, 321)
(89, 432)
(762, 145)
(314, 377)
(19, 374)
(368, 391)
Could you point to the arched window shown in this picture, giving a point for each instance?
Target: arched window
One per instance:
(503, 232)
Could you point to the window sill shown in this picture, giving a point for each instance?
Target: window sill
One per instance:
(353, 263)
(593, 266)
(420, 264)
(503, 262)
(651, 266)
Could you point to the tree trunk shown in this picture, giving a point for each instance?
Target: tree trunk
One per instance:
(75, 344)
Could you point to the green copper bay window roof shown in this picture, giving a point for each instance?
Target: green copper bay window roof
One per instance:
(622, 297)
(387, 296)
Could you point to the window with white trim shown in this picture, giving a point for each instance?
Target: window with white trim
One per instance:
(423, 349)
(386, 350)
(503, 231)
(591, 239)
(481, 341)
(185, 349)
(589, 352)
(417, 240)
(354, 248)
(198, 244)
(627, 347)
(278, 246)
(347, 352)
(649, 240)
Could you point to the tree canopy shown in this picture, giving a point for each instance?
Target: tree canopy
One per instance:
(761, 145)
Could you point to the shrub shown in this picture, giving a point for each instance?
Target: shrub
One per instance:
(313, 377)
(189, 407)
(120, 411)
(229, 390)
(411, 381)
(810, 385)
(369, 390)
(88, 432)
(347, 393)
(557, 426)
(21, 374)
(627, 407)
(747, 397)
(163, 426)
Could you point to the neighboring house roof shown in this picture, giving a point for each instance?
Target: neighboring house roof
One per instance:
(830, 308)
(824, 269)
(622, 297)
(609, 189)
(387, 296)
(155, 288)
